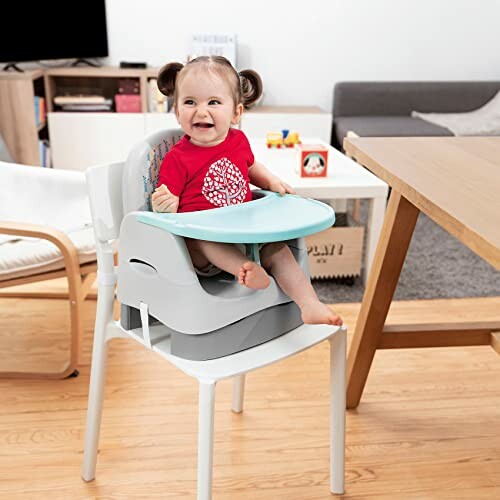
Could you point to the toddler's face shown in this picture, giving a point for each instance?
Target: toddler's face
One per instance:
(205, 108)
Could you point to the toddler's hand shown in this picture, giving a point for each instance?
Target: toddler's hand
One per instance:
(164, 201)
(278, 186)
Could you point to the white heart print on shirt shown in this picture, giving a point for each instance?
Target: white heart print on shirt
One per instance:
(224, 184)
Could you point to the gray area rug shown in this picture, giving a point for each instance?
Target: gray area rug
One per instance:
(437, 266)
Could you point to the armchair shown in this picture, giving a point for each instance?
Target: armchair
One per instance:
(46, 233)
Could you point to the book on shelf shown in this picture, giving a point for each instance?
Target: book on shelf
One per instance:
(40, 110)
(157, 102)
(104, 105)
(152, 90)
(60, 100)
(44, 152)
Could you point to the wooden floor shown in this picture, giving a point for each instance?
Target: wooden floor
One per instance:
(428, 426)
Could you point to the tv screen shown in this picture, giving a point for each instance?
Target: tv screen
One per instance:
(53, 30)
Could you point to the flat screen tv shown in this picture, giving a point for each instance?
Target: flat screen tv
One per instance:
(53, 30)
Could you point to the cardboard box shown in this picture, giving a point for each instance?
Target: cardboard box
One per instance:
(335, 252)
(312, 160)
(128, 103)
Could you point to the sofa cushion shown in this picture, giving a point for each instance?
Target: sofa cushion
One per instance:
(385, 126)
(482, 121)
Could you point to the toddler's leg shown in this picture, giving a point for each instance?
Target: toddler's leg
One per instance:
(229, 258)
(278, 260)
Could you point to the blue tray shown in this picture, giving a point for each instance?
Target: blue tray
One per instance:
(269, 217)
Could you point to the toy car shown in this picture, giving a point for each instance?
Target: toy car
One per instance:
(274, 139)
(282, 139)
(291, 139)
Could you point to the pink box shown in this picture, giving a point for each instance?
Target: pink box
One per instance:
(128, 103)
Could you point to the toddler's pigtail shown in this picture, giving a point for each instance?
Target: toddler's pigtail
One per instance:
(251, 86)
(167, 76)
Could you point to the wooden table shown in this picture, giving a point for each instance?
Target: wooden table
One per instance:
(456, 182)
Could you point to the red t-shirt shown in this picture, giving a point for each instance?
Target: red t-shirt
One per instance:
(208, 177)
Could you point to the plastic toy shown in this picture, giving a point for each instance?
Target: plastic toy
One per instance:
(282, 139)
(274, 139)
(312, 160)
(291, 139)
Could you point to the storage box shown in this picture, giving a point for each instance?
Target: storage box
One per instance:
(128, 86)
(126, 103)
(335, 252)
(312, 160)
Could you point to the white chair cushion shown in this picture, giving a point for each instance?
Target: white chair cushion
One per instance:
(28, 256)
(46, 196)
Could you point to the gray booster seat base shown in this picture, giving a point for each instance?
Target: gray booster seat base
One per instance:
(251, 331)
(206, 318)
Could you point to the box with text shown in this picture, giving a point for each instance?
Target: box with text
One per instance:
(335, 252)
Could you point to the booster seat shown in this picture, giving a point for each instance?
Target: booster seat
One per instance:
(206, 317)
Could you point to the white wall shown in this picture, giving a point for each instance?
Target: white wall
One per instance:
(301, 48)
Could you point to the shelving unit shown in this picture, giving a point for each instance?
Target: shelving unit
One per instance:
(80, 139)
(103, 80)
(18, 125)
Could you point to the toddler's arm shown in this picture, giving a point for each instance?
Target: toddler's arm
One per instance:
(261, 177)
(164, 201)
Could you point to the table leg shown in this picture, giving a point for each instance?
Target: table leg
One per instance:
(397, 231)
(376, 212)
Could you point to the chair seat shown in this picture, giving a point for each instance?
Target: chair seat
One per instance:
(295, 341)
(28, 256)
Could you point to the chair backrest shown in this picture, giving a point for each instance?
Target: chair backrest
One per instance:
(46, 196)
(118, 188)
(104, 185)
(142, 167)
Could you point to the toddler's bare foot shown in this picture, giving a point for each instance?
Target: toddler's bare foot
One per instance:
(253, 276)
(317, 313)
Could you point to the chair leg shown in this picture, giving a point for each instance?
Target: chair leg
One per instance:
(238, 393)
(206, 405)
(337, 410)
(104, 315)
(76, 301)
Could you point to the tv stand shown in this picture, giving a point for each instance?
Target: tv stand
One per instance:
(13, 67)
(85, 62)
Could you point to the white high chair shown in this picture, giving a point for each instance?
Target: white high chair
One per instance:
(117, 196)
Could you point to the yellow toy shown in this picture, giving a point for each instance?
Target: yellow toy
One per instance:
(282, 139)
(292, 139)
(274, 139)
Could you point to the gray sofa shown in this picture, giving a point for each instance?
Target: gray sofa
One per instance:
(383, 109)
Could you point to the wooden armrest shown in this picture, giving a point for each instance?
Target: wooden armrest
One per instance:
(59, 238)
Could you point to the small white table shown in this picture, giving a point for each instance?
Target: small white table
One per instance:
(346, 180)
